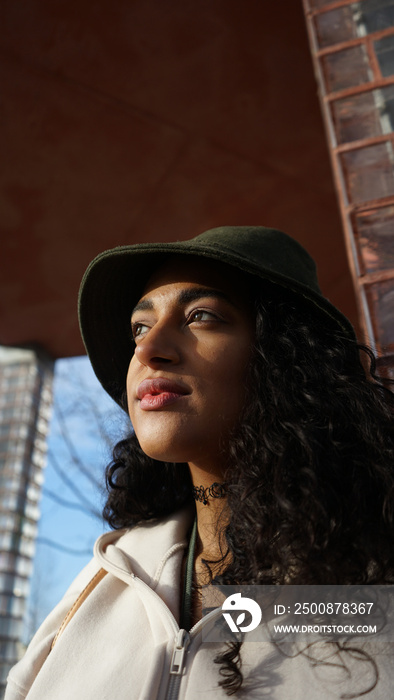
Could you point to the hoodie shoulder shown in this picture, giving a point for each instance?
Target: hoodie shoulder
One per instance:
(25, 671)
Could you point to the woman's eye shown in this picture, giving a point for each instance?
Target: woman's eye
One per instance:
(138, 329)
(201, 315)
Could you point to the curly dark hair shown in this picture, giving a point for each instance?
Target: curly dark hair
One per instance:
(310, 476)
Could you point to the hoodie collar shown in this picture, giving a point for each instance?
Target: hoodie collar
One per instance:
(151, 550)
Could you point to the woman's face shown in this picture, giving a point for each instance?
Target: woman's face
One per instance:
(193, 328)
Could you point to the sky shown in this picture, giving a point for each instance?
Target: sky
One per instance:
(85, 424)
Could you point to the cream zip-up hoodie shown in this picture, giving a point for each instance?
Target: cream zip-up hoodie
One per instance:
(124, 641)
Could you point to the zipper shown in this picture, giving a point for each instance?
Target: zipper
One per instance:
(177, 663)
(182, 641)
(178, 655)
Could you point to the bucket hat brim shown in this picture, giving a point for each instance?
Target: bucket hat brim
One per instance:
(115, 279)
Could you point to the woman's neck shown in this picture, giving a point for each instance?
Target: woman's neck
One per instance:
(212, 519)
(210, 544)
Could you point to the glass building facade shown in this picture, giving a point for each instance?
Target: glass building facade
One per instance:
(25, 405)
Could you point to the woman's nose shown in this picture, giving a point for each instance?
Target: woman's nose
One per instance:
(157, 347)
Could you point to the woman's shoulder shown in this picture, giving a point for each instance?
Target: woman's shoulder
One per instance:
(24, 672)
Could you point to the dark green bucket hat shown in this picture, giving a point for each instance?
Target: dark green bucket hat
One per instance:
(115, 279)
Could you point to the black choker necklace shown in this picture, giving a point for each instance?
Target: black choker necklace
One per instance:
(215, 490)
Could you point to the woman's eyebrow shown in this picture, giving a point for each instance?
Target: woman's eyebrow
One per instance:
(143, 305)
(184, 297)
(188, 295)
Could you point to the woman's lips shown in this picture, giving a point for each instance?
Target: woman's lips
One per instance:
(159, 392)
(156, 401)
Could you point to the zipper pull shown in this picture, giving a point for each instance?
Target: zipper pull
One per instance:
(181, 644)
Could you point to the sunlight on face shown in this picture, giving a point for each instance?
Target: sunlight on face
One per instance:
(193, 328)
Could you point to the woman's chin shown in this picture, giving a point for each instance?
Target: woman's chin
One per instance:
(162, 453)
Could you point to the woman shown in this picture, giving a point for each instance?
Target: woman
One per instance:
(247, 396)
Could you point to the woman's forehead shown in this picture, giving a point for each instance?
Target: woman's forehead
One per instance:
(196, 270)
